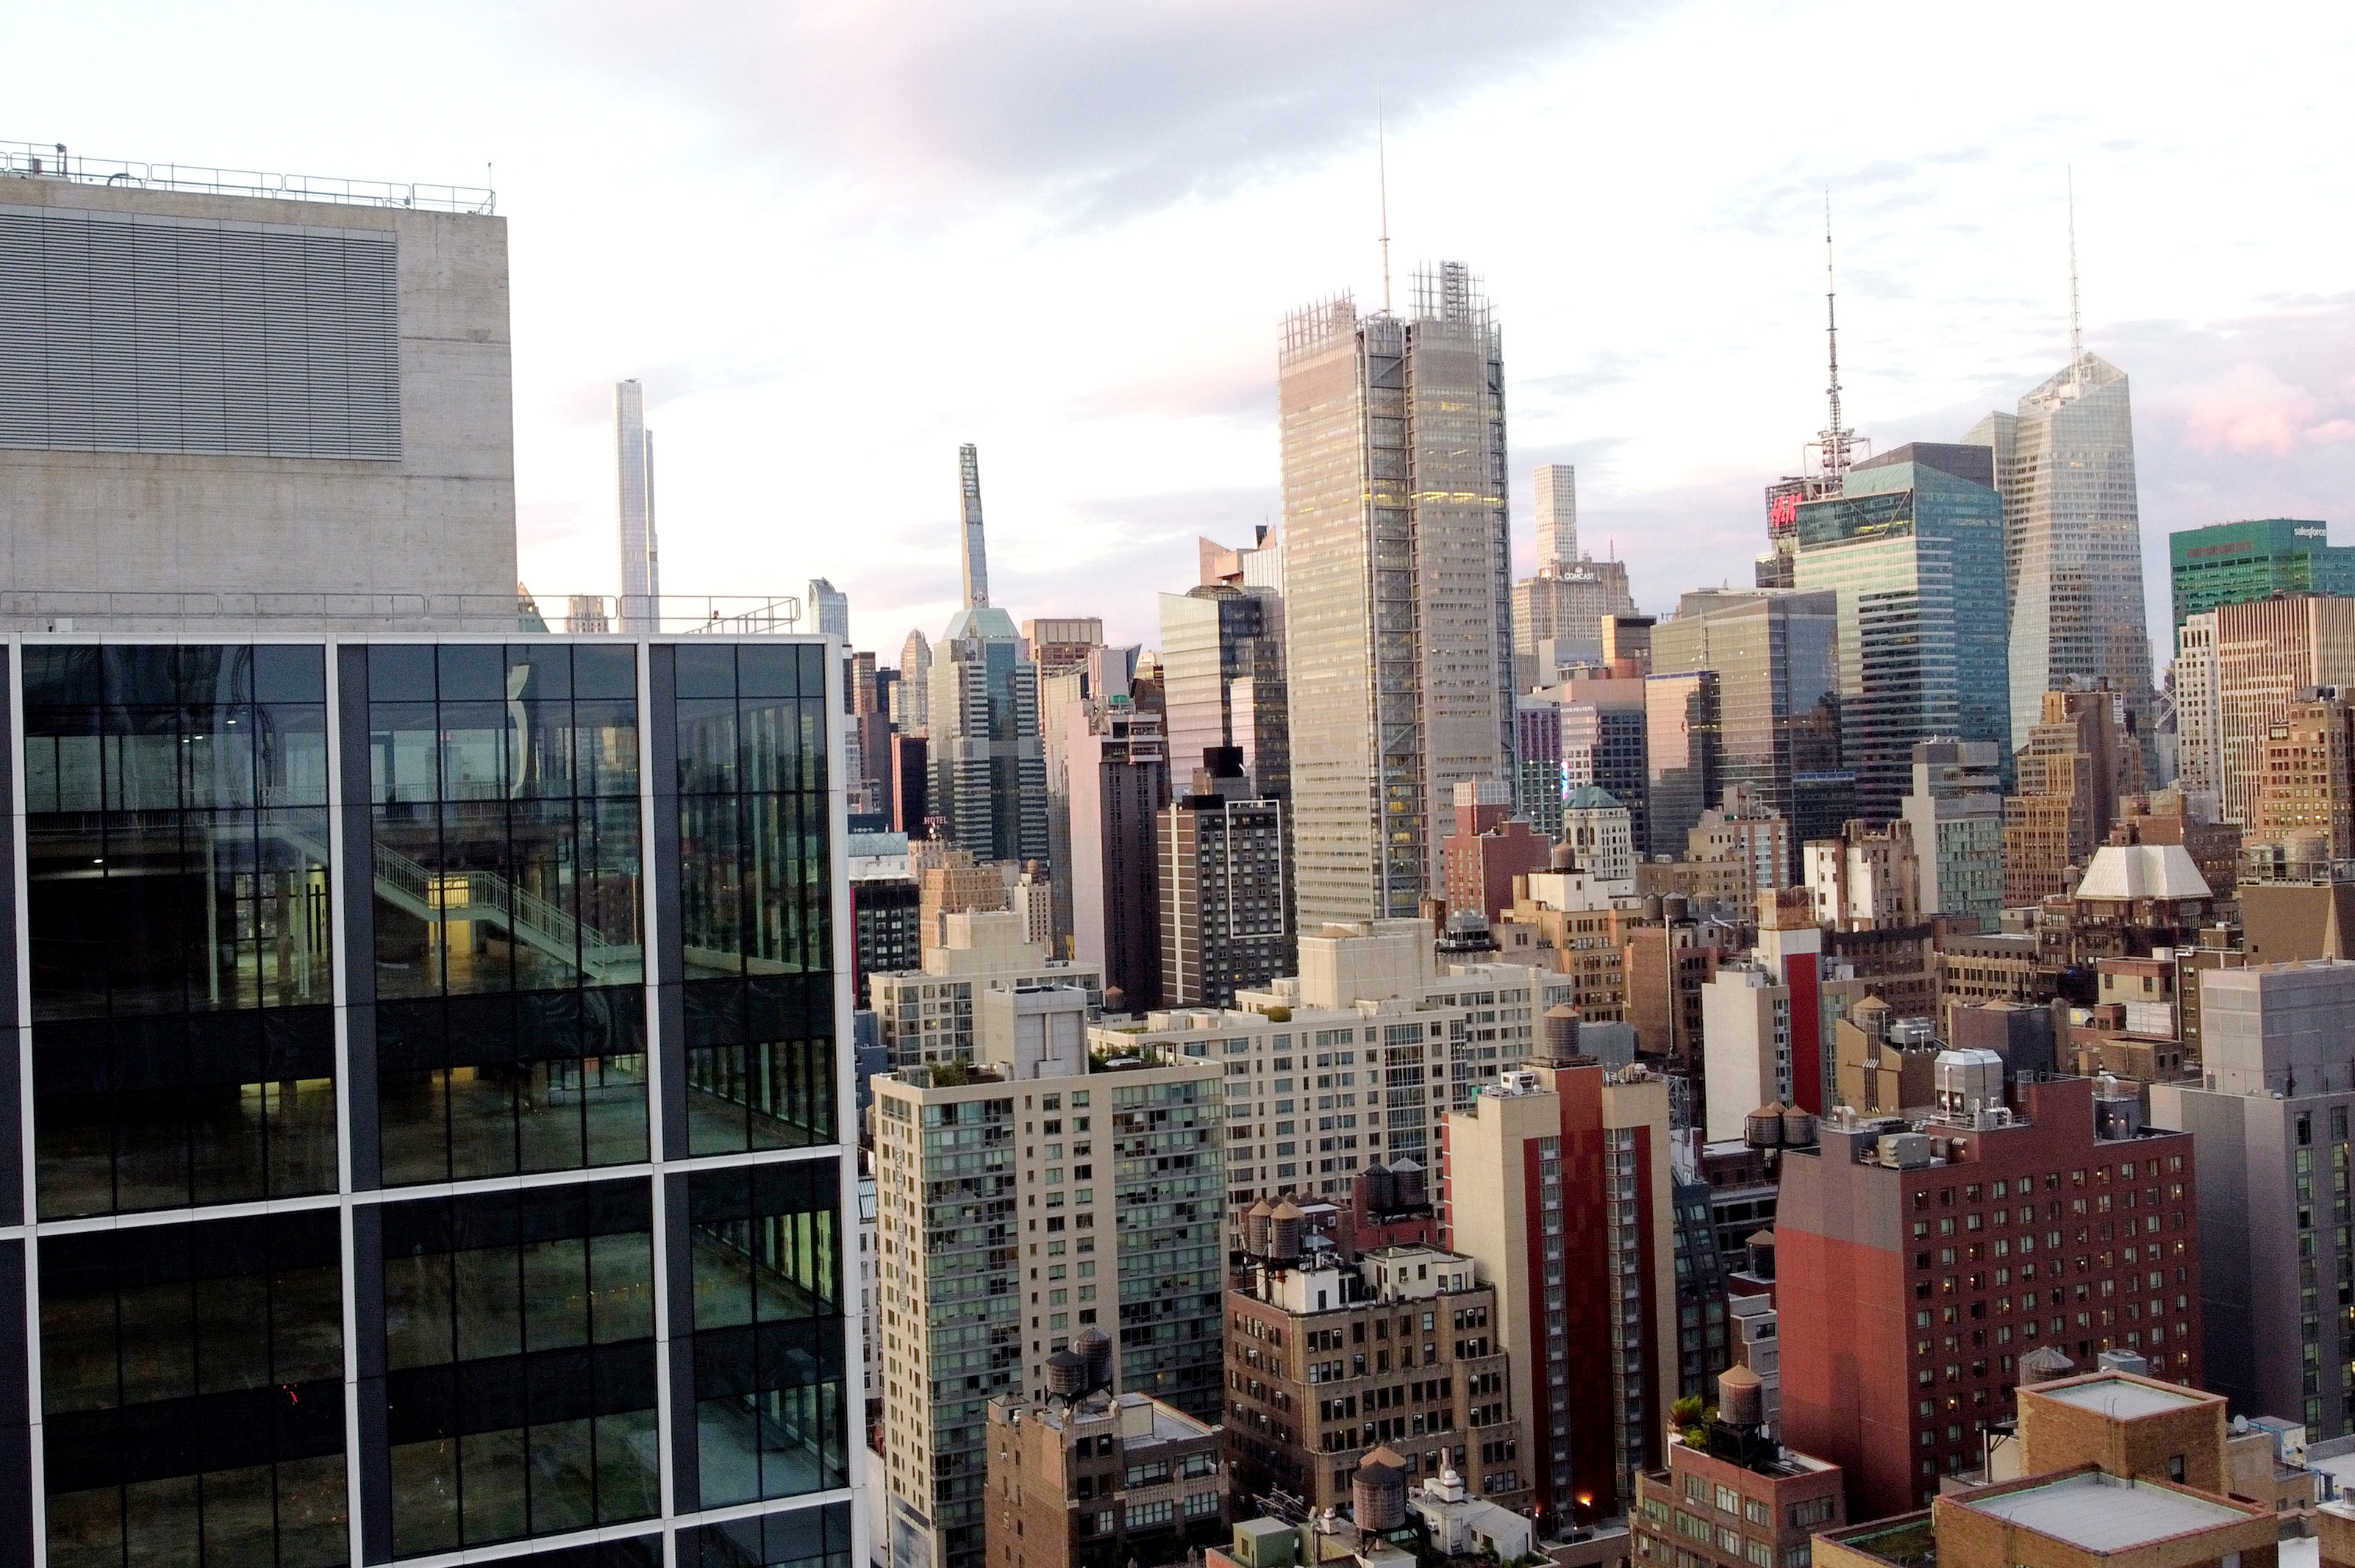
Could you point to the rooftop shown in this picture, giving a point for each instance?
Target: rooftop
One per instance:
(2101, 1512)
(2124, 1398)
(51, 160)
(2143, 871)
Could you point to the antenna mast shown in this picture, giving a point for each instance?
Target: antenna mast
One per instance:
(1383, 174)
(1837, 440)
(2076, 331)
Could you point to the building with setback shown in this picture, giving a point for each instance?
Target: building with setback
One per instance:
(1331, 1361)
(1398, 587)
(1917, 1263)
(989, 769)
(999, 1250)
(1101, 1480)
(2073, 539)
(1912, 548)
(359, 1065)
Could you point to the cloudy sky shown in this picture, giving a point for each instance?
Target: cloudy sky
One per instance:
(837, 239)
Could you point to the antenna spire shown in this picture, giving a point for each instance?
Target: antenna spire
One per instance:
(1836, 439)
(1383, 174)
(2076, 329)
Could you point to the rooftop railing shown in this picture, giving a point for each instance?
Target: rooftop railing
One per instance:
(52, 161)
(671, 614)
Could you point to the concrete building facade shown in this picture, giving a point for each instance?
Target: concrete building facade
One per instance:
(192, 382)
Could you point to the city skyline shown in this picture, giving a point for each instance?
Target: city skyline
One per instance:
(1679, 366)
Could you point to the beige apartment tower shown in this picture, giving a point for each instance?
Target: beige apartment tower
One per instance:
(1398, 588)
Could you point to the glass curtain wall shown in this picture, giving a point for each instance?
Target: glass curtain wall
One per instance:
(178, 851)
(192, 1383)
(756, 908)
(520, 1359)
(510, 957)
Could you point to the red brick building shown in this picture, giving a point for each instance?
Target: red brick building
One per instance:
(1917, 1262)
(1489, 848)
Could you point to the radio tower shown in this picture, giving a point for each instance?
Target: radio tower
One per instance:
(1836, 440)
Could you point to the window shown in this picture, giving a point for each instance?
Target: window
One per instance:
(770, 1415)
(520, 1347)
(1811, 1512)
(805, 1538)
(192, 1377)
(176, 850)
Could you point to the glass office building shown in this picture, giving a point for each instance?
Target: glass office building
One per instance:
(2236, 564)
(1776, 656)
(1914, 553)
(429, 1104)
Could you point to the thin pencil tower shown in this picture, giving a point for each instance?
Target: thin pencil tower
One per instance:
(1837, 440)
(977, 554)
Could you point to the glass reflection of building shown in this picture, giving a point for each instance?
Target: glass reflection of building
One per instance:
(433, 1115)
(1685, 753)
(1913, 551)
(1776, 656)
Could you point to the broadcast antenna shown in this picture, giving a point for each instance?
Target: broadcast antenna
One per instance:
(1383, 174)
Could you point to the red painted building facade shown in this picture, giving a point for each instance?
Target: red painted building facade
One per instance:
(1914, 1268)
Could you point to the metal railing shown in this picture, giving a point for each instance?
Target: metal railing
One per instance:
(672, 614)
(52, 161)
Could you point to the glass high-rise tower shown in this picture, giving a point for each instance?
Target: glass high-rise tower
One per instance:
(2073, 539)
(1913, 549)
(433, 1130)
(1398, 588)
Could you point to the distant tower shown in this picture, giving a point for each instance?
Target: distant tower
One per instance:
(1557, 517)
(2073, 532)
(829, 608)
(977, 556)
(633, 467)
(1836, 442)
(1398, 588)
(911, 699)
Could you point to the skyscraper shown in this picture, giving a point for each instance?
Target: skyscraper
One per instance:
(2238, 667)
(1118, 776)
(1226, 887)
(911, 699)
(1913, 549)
(829, 610)
(1776, 656)
(1557, 515)
(2233, 563)
(989, 769)
(633, 482)
(2072, 533)
(1956, 810)
(1222, 681)
(1398, 587)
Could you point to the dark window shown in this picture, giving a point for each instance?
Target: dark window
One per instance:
(752, 809)
(769, 1379)
(193, 1394)
(760, 1063)
(530, 1081)
(519, 1345)
(177, 901)
(503, 788)
(806, 1538)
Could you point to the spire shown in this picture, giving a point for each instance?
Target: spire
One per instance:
(2076, 329)
(977, 558)
(1383, 174)
(1836, 439)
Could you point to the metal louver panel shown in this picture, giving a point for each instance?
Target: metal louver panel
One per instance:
(141, 334)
